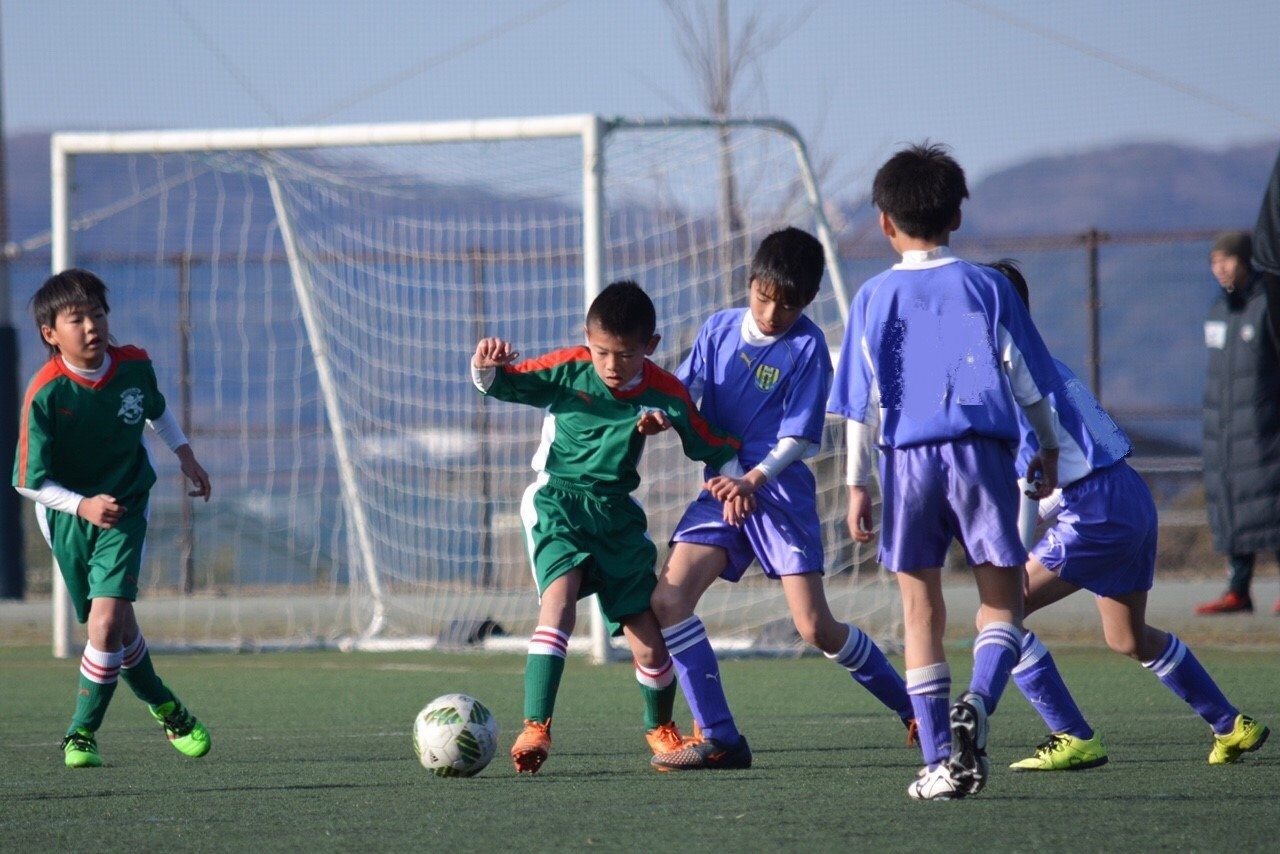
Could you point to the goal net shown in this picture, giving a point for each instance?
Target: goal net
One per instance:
(311, 298)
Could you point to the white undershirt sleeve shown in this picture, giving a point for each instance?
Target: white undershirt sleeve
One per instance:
(1044, 421)
(860, 454)
(53, 495)
(483, 377)
(860, 440)
(169, 430)
(787, 451)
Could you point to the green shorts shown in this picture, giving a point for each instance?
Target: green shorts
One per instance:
(606, 536)
(98, 564)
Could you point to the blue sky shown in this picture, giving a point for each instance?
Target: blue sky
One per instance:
(999, 80)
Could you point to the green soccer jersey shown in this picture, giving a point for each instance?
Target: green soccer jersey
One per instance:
(87, 436)
(591, 440)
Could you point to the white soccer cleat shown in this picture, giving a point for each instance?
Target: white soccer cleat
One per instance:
(935, 785)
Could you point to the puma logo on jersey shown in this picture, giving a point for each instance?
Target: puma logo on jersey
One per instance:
(746, 359)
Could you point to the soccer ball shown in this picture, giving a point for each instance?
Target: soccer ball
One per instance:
(455, 736)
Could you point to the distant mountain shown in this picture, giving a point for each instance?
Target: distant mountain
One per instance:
(1127, 188)
(1138, 187)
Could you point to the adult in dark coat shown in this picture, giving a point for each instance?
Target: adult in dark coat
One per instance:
(1242, 418)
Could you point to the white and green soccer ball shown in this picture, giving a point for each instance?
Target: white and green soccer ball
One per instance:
(455, 736)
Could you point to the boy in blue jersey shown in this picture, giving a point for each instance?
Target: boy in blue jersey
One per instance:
(1101, 536)
(942, 355)
(82, 459)
(762, 373)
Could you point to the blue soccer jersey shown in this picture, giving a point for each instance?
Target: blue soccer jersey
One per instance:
(1087, 437)
(764, 390)
(761, 393)
(947, 347)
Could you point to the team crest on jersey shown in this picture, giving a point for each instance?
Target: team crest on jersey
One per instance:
(767, 377)
(131, 405)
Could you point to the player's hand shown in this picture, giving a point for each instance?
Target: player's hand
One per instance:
(652, 422)
(101, 510)
(1042, 473)
(737, 509)
(493, 353)
(195, 473)
(724, 488)
(859, 514)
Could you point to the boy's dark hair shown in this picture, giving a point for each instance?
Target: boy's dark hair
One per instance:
(73, 288)
(623, 309)
(790, 262)
(1008, 268)
(1237, 243)
(920, 188)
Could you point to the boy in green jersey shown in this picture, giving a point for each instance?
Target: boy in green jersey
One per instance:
(81, 458)
(586, 534)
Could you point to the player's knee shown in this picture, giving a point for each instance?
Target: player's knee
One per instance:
(827, 637)
(1126, 645)
(648, 657)
(669, 605)
(809, 633)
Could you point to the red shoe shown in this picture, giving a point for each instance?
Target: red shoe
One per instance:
(1230, 603)
(1276, 610)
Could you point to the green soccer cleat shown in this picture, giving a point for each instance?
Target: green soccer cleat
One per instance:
(80, 749)
(187, 735)
(1246, 736)
(1062, 752)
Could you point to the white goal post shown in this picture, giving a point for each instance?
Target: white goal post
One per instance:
(326, 286)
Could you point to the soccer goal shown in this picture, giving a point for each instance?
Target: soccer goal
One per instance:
(311, 297)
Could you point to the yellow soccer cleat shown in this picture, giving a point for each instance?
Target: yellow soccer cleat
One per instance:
(1062, 752)
(1245, 737)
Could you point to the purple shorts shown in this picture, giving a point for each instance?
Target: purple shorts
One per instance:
(965, 490)
(1104, 539)
(783, 533)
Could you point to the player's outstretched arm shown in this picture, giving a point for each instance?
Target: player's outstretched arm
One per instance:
(195, 473)
(493, 353)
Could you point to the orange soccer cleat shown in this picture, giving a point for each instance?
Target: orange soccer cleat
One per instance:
(665, 738)
(1230, 603)
(532, 746)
